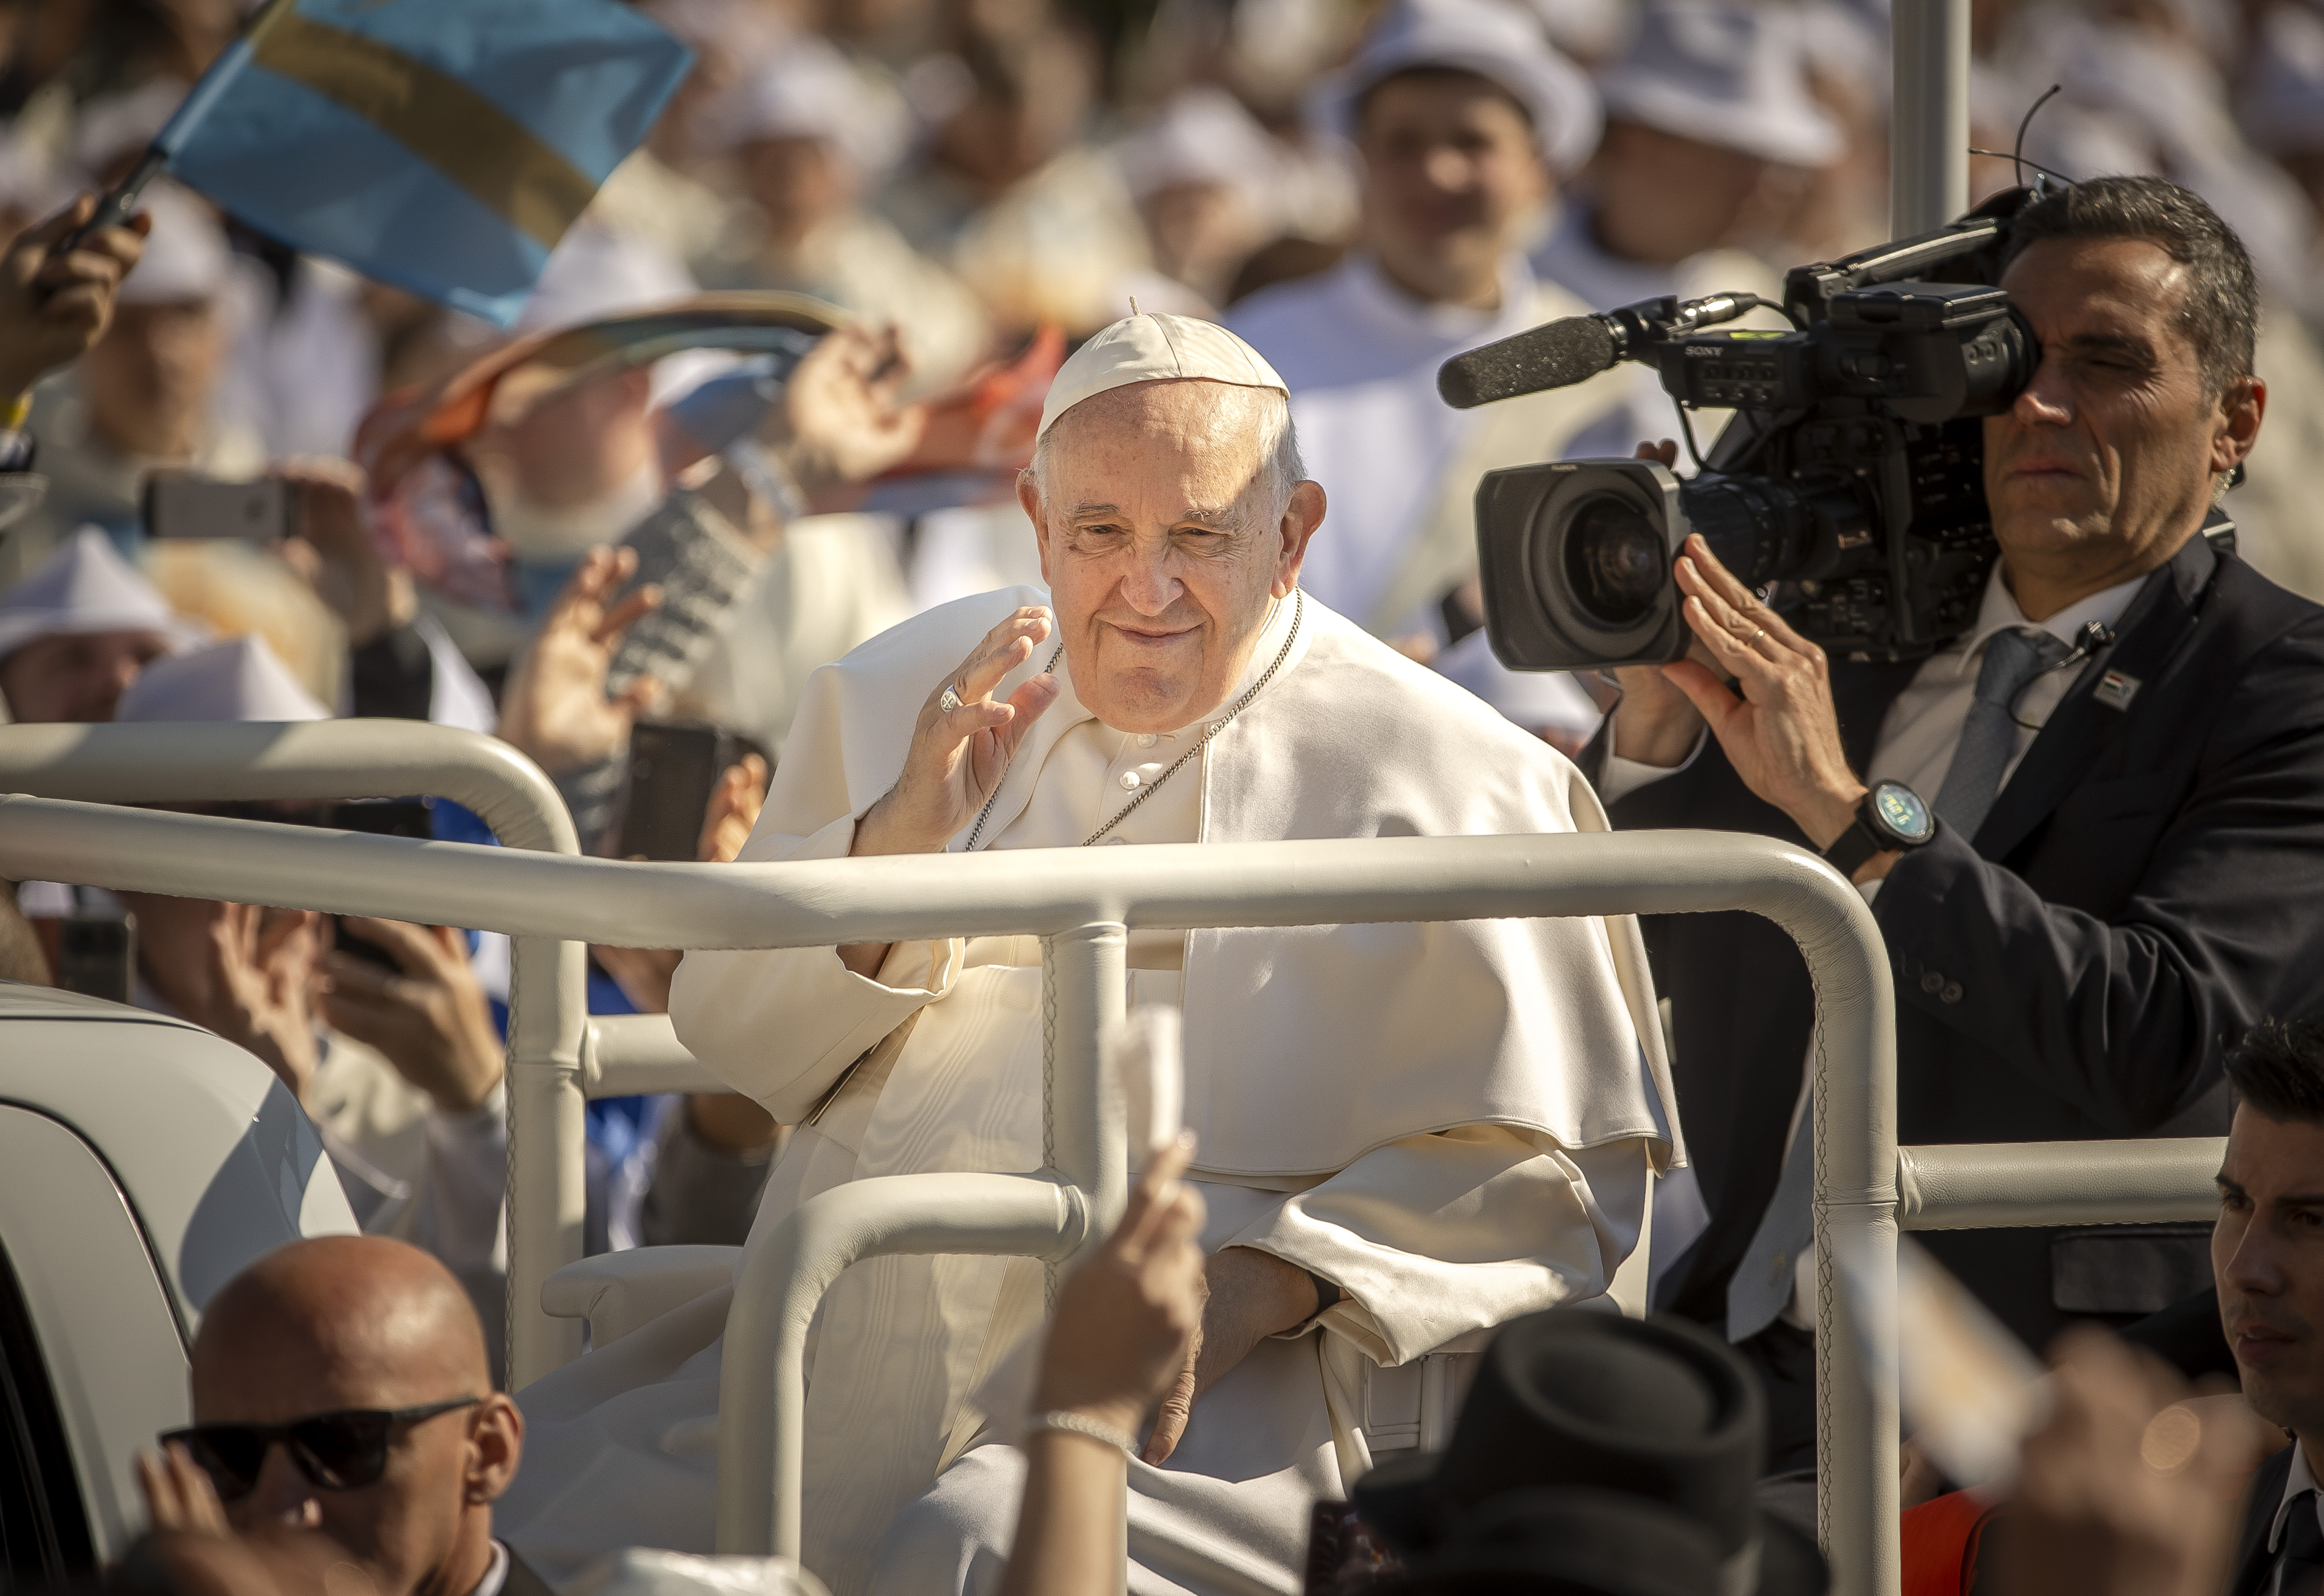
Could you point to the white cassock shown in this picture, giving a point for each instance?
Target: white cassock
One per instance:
(1400, 467)
(1456, 1123)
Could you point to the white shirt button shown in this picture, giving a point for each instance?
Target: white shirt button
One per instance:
(1129, 781)
(1146, 739)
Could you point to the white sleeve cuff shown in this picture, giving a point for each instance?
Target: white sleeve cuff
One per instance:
(1619, 777)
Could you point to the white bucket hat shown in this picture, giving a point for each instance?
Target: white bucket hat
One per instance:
(1724, 74)
(1498, 42)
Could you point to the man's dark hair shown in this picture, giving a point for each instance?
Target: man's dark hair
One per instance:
(2220, 315)
(2278, 1068)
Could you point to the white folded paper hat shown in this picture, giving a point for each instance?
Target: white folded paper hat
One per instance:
(1727, 74)
(1152, 348)
(85, 587)
(238, 678)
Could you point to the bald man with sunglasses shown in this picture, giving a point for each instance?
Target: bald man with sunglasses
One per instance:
(341, 1385)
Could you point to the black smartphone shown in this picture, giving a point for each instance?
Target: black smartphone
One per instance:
(405, 817)
(674, 767)
(97, 955)
(184, 504)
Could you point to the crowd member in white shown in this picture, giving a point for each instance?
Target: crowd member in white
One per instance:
(811, 136)
(1407, 1132)
(401, 1070)
(77, 629)
(1465, 119)
(1710, 133)
(1205, 175)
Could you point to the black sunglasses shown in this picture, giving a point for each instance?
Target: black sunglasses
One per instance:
(342, 1451)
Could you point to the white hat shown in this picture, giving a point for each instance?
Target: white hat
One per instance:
(1203, 135)
(186, 258)
(1156, 348)
(2283, 100)
(1725, 74)
(238, 678)
(1495, 41)
(85, 587)
(596, 271)
(113, 125)
(807, 89)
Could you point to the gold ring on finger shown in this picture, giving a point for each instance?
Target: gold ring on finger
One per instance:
(949, 700)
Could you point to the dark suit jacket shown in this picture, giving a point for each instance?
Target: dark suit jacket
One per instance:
(2149, 884)
(2252, 1562)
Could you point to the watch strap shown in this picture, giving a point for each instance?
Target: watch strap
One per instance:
(1852, 847)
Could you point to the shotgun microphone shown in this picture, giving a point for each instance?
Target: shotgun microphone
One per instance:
(1559, 354)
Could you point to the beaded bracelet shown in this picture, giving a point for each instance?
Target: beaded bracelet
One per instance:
(1057, 1418)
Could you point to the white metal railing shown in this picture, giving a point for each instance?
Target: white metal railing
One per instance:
(1078, 902)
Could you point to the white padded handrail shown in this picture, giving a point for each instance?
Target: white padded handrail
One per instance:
(1990, 1186)
(244, 761)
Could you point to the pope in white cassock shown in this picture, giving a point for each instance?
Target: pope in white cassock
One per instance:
(1407, 1133)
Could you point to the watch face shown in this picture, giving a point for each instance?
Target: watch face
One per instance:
(1902, 812)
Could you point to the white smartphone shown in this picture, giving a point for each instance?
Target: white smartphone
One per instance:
(1142, 1054)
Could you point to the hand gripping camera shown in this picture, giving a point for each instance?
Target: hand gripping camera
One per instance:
(1849, 480)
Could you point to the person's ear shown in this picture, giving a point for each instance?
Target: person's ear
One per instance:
(495, 1448)
(1301, 517)
(1028, 497)
(2243, 404)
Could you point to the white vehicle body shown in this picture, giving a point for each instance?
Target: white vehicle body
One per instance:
(142, 1162)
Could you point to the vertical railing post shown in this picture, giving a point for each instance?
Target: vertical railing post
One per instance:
(547, 1147)
(1928, 124)
(1082, 1137)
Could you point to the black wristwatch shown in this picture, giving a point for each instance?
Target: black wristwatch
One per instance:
(1892, 818)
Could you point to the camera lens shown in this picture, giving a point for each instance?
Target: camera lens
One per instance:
(1614, 560)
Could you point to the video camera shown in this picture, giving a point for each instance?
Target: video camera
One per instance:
(1852, 473)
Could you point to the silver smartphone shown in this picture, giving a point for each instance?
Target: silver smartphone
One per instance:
(183, 504)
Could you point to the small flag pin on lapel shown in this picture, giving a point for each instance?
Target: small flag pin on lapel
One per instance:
(2115, 689)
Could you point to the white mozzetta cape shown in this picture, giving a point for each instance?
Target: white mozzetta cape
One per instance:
(1306, 1047)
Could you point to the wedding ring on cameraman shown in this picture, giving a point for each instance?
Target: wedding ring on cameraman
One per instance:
(1752, 641)
(949, 700)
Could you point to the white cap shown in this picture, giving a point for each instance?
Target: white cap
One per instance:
(185, 260)
(1496, 43)
(238, 678)
(84, 588)
(1203, 135)
(116, 124)
(1725, 74)
(2284, 97)
(807, 89)
(1155, 348)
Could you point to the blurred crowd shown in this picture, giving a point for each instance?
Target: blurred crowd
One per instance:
(588, 555)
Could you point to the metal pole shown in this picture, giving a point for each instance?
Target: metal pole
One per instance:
(242, 761)
(1855, 1217)
(1082, 1137)
(1928, 124)
(763, 1366)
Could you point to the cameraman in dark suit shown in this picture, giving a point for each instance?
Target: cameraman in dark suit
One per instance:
(2125, 761)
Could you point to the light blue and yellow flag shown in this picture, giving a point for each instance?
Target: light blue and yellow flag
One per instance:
(441, 146)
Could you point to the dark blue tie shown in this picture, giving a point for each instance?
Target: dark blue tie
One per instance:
(1988, 736)
(2301, 1563)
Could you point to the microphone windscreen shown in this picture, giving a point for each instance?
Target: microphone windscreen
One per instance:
(1556, 355)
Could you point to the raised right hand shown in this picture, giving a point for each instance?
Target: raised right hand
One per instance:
(958, 756)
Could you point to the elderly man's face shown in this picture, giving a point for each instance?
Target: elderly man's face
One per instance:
(78, 679)
(2104, 465)
(2267, 1258)
(1162, 546)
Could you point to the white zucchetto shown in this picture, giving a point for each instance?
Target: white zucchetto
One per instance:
(1150, 348)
